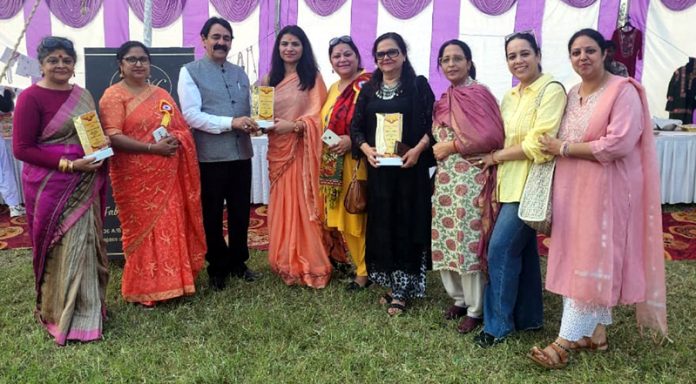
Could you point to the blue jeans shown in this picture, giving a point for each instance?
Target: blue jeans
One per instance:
(512, 296)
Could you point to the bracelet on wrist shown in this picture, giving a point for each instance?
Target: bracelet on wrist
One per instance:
(565, 149)
(496, 162)
(149, 147)
(70, 166)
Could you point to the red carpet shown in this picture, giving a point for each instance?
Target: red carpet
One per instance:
(679, 232)
(14, 232)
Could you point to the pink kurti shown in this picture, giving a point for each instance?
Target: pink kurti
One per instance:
(606, 246)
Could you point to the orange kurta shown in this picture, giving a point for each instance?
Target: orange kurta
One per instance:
(158, 198)
(296, 251)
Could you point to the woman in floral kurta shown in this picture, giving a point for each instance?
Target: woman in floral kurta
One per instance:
(466, 122)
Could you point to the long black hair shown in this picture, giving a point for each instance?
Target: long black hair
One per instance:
(408, 74)
(307, 67)
(465, 49)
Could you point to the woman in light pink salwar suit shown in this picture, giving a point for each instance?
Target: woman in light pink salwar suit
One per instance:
(606, 245)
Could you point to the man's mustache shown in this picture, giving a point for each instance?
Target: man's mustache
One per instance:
(220, 47)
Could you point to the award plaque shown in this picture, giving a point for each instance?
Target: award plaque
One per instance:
(91, 135)
(388, 133)
(262, 98)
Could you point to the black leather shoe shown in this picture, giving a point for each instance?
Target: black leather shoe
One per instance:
(217, 283)
(485, 340)
(248, 275)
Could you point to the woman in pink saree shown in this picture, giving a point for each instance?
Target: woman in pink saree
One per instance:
(606, 246)
(64, 196)
(296, 251)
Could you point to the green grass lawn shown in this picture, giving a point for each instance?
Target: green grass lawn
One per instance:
(265, 332)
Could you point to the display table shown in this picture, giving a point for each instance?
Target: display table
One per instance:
(260, 186)
(676, 154)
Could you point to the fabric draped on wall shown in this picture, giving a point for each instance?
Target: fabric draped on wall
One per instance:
(493, 7)
(579, 3)
(164, 12)
(405, 9)
(678, 5)
(9, 8)
(324, 7)
(235, 10)
(75, 13)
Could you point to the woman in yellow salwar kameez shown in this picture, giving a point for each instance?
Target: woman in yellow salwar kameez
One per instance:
(337, 165)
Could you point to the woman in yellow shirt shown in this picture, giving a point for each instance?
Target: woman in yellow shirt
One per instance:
(533, 108)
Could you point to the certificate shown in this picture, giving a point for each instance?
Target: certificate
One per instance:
(262, 99)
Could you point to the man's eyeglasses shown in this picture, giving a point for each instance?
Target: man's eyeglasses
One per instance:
(52, 42)
(528, 32)
(342, 39)
(390, 53)
(132, 60)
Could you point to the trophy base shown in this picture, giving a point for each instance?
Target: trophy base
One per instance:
(100, 154)
(390, 161)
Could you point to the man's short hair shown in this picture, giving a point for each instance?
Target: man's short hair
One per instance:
(215, 20)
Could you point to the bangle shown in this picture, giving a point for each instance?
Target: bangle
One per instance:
(70, 166)
(149, 146)
(565, 149)
(63, 164)
(493, 152)
(298, 127)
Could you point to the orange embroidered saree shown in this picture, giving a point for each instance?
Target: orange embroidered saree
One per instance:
(158, 198)
(296, 251)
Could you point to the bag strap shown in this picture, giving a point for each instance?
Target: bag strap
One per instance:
(355, 170)
(541, 93)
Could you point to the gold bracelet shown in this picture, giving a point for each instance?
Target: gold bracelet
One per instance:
(62, 164)
(70, 166)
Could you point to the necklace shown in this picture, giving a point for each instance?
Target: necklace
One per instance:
(387, 92)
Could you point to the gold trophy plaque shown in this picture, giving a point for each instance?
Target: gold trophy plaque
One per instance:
(91, 135)
(262, 98)
(389, 131)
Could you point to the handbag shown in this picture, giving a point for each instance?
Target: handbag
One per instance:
(535, 204)
(356, 195)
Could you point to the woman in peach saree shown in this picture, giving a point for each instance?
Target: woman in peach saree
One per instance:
(156, 184)
(296, 251)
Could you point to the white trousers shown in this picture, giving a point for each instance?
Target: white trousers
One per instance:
(580, 320)
(466, 290)
(8, 183)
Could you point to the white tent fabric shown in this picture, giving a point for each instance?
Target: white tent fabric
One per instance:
(669, 40)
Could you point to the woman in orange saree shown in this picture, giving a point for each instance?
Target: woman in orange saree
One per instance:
(296, 251)
(156, 184)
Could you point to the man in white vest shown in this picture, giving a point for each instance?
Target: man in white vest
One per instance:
(214, 97)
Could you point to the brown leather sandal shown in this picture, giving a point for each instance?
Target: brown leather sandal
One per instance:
(545, 359)
(586, 344)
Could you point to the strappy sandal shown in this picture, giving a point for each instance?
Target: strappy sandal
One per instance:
(396, 309)
(386, 299)
(588, 345)
(545, 360)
